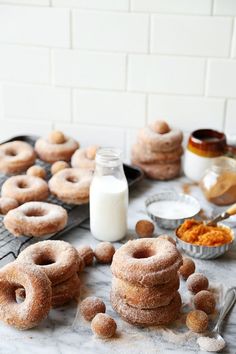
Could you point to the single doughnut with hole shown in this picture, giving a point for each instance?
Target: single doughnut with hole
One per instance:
(38, 292)
(86, 253)
(197, 282)
(36, 219)
(71, 185)
(25, 188)
(146, 317)
(205, 301)
(16, 156)
(160, 142)
(187, 268)
(197, 321)
(104, 252)
(58, 259)
(91, 306)
(140, 153)
(54, 148)
(146, 297)
(103, 326)
(148, 262)
(144, 228)
(58, 166)
(85, 158)
(159, 171)
(7, 204)
(36, 171)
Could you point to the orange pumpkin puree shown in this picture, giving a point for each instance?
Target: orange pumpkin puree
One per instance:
(198, 233)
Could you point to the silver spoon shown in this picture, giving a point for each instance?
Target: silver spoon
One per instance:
(225, 215)
(214, 337)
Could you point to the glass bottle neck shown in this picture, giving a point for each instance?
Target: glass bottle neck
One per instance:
(108, 162)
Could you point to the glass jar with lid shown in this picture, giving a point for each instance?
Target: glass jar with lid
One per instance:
(219, 181)
(108, 197)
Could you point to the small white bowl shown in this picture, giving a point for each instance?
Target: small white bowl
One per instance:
(170, 223)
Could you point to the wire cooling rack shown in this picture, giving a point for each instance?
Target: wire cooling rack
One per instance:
(11, 246)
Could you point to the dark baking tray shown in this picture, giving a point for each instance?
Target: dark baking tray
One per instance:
(12, 246)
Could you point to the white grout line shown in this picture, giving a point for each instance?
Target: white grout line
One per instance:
(224, 114)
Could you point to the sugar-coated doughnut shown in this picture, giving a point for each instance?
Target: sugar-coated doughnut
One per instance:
(197, 321)
(25, 188)
(205, 301)
(159, 171)
(36, 219)
(54, 148)
(104, 252)
(86, 254)
(187, 268)
(144, 228)
(156, 141)
(146, 317)
(71, 185)
(140, 153)
(66, 291)
(38, 291)
(85, 158)
(58, 259)
(7, 204)
(16, 156)
(91, 306)
(103, 326)
(197, 282)
(146, 297)
(148, 262)
(37, 171)
(58, 166)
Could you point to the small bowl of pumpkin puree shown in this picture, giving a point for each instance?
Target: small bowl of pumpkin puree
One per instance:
(199, 240)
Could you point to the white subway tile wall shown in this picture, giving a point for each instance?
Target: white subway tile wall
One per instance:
(101, 69)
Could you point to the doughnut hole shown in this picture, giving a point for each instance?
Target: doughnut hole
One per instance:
(187, 268)
(143, 253)
(161, 127)
(56, 137)
(103, 326)
(72, 179)
(7, 204)
(33, 212)
(197, 282)
(22, 184)
(91, 306)
(36, 171)
(91, 152)
(205, 301)
(197, 321)
(144, 228)
(104, 252)
(87, 254)
(58, 166)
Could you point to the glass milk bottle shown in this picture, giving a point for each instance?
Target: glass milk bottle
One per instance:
(108, 197)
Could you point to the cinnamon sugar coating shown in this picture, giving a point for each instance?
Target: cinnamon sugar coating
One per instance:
(146, 317)
(38, 291)
(197, 321)
(205, 301)
(187, 268)
(104, 252)
(7, 204)
(91, 306)
(147, 262)
(103, 326)
(58, 259)
(197, 282)
(36, 171)
(59, 166)
(86, 254)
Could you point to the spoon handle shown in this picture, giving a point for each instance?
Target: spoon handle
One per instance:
(229, 301)
(231, 210)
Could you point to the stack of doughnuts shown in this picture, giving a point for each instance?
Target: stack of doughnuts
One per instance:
(44, 275)
(145, 282)
(158, 151)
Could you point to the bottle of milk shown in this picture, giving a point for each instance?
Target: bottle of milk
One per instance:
(108, 197)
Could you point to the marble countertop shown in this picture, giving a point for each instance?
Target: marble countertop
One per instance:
(65, 332)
